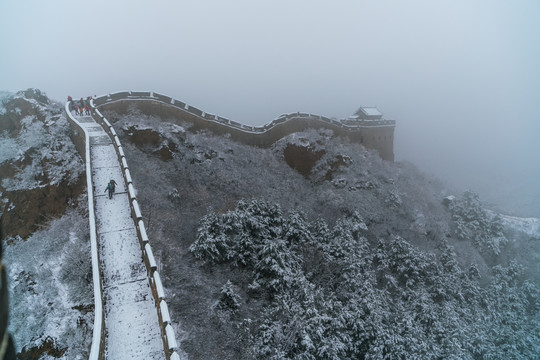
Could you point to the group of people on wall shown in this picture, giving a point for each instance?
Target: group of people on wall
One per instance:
(81, 107)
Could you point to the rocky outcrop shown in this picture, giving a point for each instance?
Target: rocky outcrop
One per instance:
(302, 158)
(25, 103)
(155, 142)
(25, 211)
(40, 171)
(48, 347)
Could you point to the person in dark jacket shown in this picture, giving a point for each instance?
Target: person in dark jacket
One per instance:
(113, 184)
(111, 187)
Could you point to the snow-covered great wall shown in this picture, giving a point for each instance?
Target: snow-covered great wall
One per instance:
(105, 344)
(373, 134)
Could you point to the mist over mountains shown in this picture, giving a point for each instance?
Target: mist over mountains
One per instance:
(312, 248)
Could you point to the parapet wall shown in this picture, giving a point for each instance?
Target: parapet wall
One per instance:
(373, 134)
(81, 140)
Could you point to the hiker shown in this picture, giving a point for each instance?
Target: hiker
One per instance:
(86, 106)
(110, 189)
(111, 186)
(76, 107)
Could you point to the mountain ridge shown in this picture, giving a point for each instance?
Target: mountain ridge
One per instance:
(345, 203)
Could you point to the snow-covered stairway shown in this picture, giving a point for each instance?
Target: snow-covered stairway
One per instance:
(131, 320)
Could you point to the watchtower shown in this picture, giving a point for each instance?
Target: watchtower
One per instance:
(373, 131)
(368, 113)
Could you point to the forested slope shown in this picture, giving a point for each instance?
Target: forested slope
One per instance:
(317, 249)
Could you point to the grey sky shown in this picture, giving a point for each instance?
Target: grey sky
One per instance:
(461, 78)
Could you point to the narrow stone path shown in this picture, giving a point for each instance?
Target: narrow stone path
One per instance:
(131, 319)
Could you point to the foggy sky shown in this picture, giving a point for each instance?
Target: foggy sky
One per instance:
(461, 78)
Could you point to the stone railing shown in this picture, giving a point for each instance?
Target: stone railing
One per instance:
(150, 95)
(366, 132)
(81, 140)
(167, 332)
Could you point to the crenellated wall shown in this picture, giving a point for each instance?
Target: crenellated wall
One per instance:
(373, 134)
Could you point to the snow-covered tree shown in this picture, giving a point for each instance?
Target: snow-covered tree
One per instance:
(473, 223)
(388, 300)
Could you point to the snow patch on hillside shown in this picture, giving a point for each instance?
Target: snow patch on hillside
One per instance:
(528, 226)
(49, 286)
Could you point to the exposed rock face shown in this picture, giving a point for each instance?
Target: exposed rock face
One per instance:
(305, 157)
(144, 137)
(48, 347)
(150, 140)
(166, 152)
(25, 211)
(302, 158)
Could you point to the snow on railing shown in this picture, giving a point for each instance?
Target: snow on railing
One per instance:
(167, 332)
(357, 130)
(148, 95)
(81, 138)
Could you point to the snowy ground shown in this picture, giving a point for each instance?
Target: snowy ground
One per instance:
(130, 315)
(50, 287)
(49, 269)
(529, 226)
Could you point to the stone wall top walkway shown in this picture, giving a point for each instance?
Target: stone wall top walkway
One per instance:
(131, 319)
